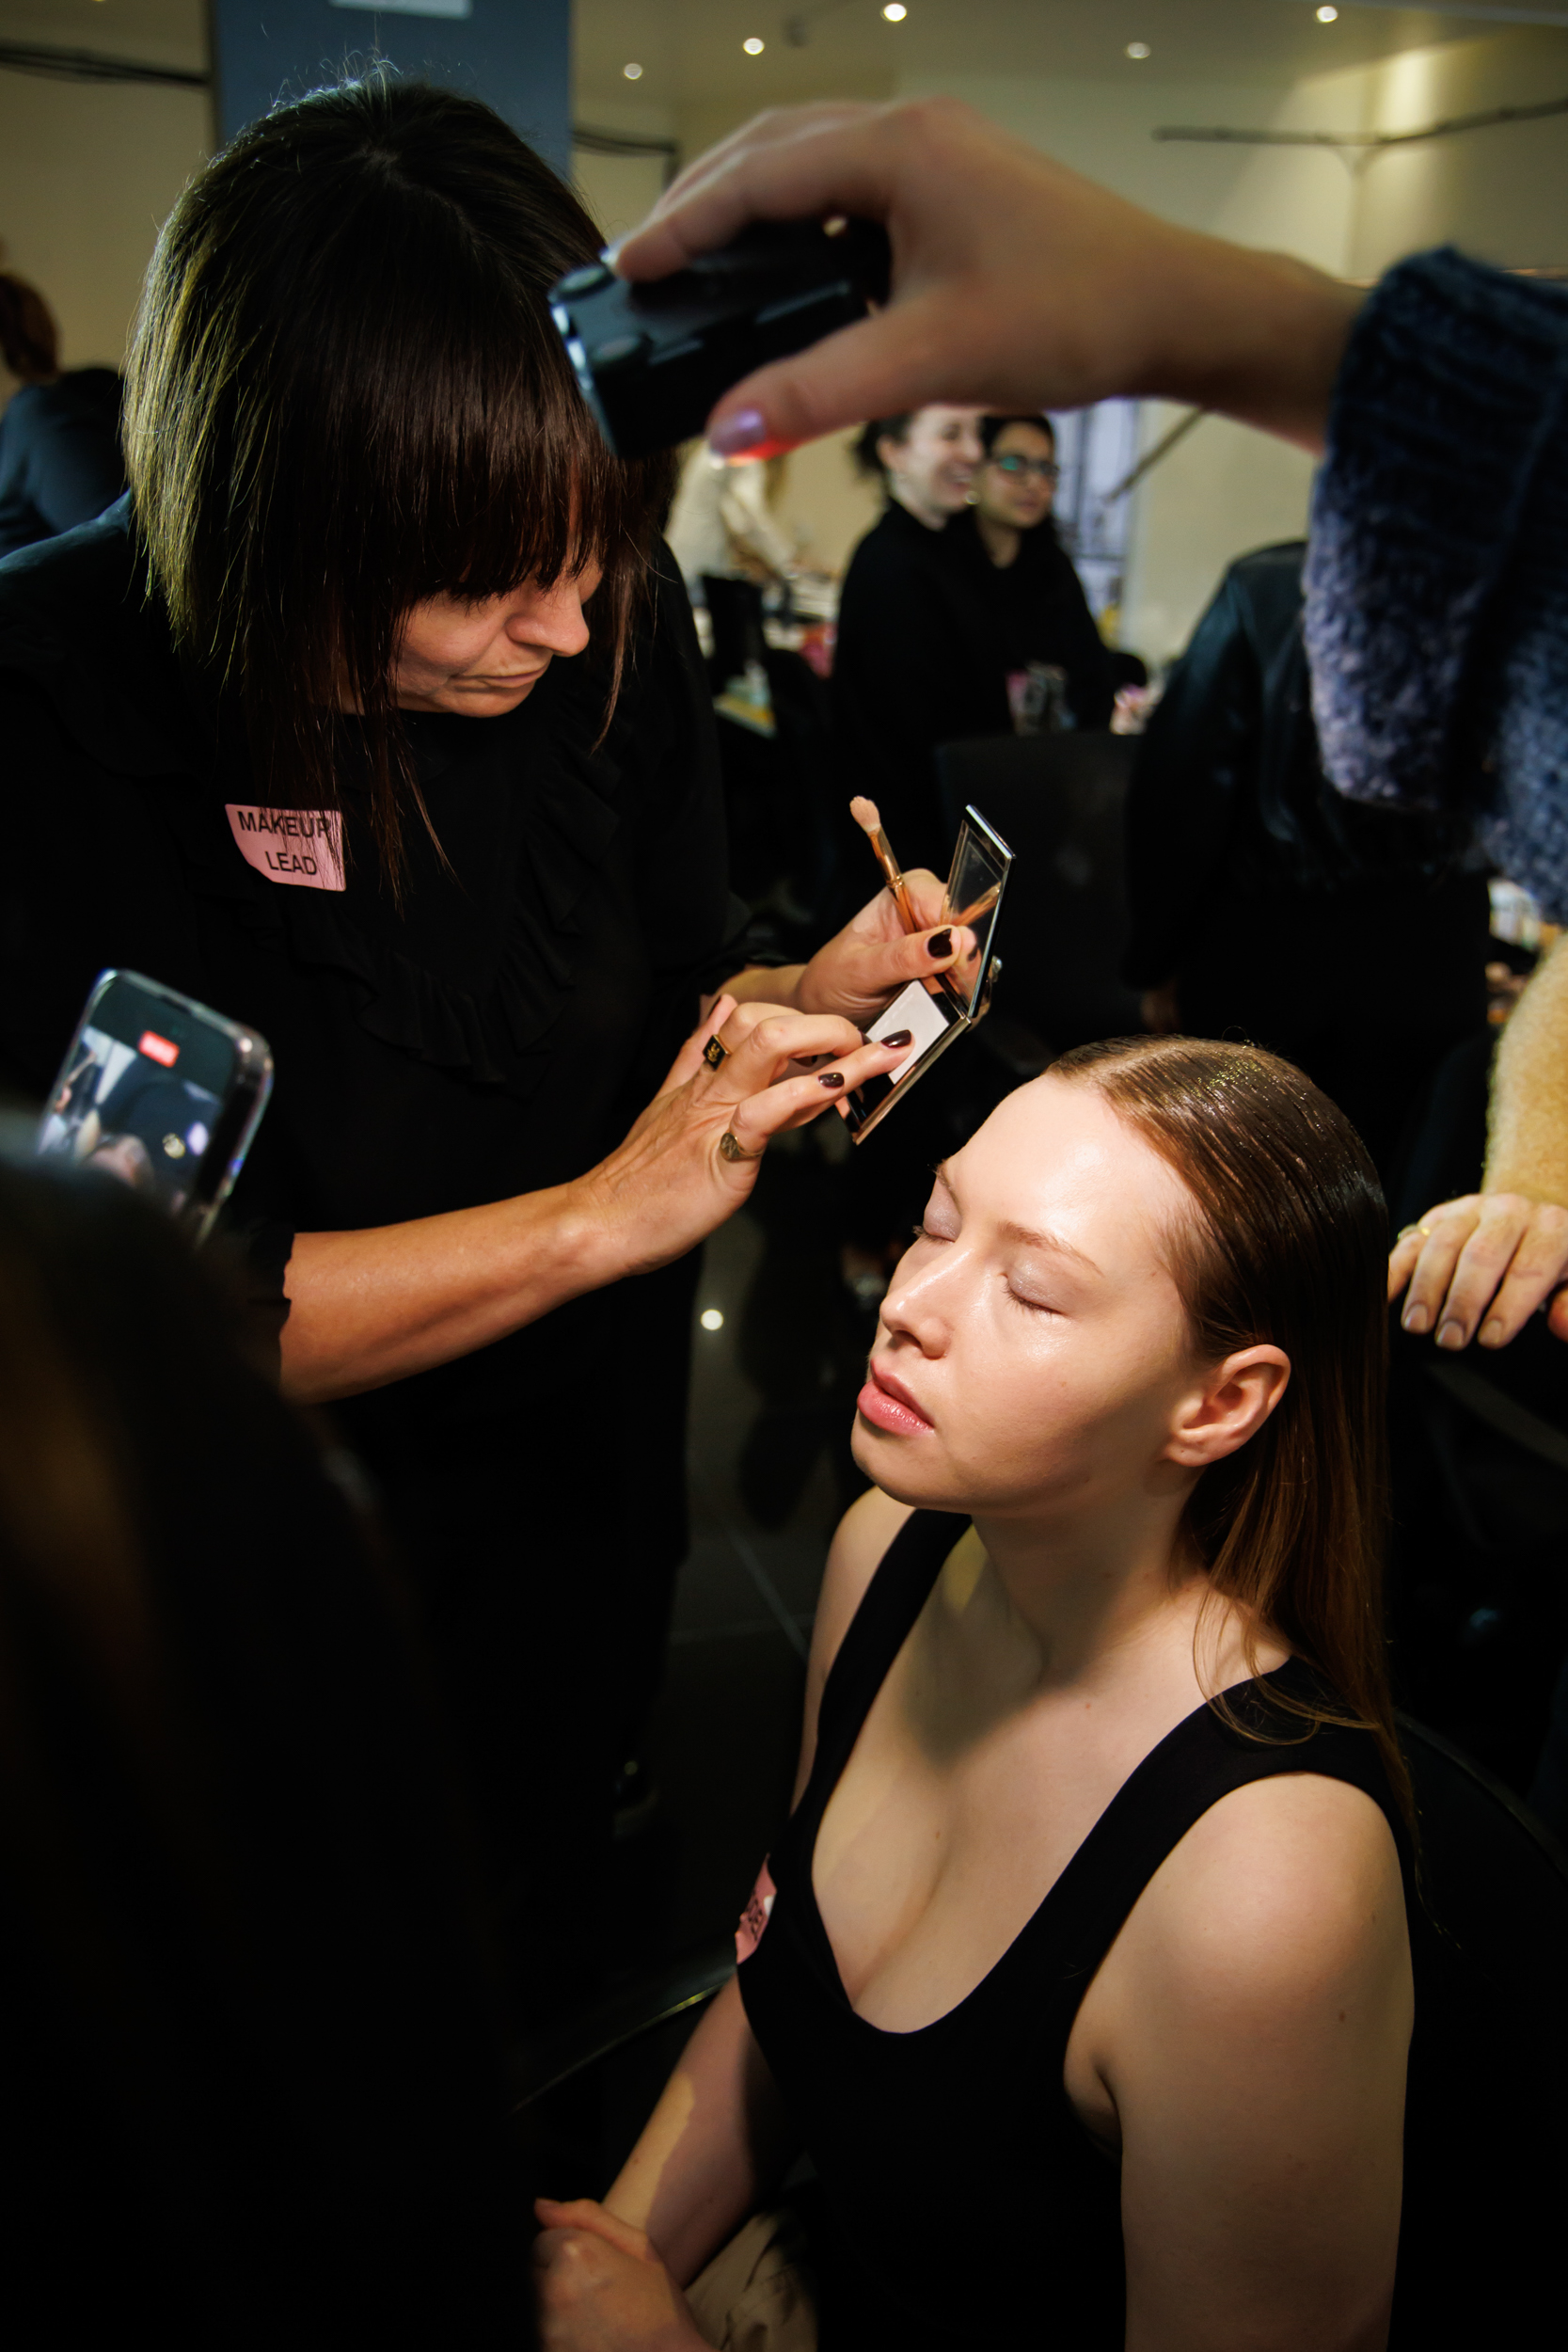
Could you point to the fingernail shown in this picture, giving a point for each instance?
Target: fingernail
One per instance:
(833, 1079)
(739, 434)
(940, 943)
(1491, 1332)
(1450, 1334)
(1416, 1319)
(900, 1037)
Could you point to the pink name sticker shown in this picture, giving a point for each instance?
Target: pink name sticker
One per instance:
(755, 1918)
(302, 847)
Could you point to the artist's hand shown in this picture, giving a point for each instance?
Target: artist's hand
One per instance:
(601, 2286)
(1488, 1259)
(861, 970)
(670, 1184)
(1016, 284)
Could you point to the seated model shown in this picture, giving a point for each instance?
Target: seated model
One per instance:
(1081, 1970)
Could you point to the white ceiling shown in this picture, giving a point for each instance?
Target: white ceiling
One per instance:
(691, 54)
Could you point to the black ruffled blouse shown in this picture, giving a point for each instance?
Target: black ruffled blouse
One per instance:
(496, 1036)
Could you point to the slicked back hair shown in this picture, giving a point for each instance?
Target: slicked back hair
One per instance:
(1288, 1246)
(346, 395)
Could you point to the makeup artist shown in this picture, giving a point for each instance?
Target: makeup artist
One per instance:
(374, 718)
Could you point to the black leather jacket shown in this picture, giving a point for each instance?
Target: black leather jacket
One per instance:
(1228, 798)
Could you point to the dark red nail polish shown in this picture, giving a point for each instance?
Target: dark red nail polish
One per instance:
(832, 1078)
(900, 1037)
(940, 943)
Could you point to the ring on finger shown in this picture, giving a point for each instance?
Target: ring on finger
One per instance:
(716, 1051)
(730, 1150)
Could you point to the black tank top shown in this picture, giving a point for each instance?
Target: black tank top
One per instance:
(961, 2201)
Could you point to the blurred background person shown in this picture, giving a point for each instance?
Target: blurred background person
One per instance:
(252, 2047)
(722, 525)
(916, 662)
(61, 460)
(1350, 940)
(1058, 669)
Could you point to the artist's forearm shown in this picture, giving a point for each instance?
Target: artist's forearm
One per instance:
(1527, 1121)
(712, 2148)
(368, 1307)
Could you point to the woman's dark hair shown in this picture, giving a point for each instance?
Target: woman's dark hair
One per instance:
(29, 340)
(992, 428)
(345, 395)
(1290, 1245)
(230, 1876)
(863, 451)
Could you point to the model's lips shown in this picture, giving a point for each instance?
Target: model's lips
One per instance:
(886, 1403)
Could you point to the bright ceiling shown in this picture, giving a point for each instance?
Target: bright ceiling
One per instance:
(690, 51)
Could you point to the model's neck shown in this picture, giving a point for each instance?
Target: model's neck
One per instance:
(1000, 540)
(932, 517)
(1073, 1594)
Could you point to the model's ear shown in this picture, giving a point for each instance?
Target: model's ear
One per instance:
(1227, 1406)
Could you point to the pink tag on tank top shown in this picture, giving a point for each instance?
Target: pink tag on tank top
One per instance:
(755, 1918)
(302, 847)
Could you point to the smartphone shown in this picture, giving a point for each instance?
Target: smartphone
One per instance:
(946, 1006)
(653, 360)
(162, 1091)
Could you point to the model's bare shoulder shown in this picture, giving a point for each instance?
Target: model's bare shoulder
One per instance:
(862, 1536)
(1251, 2038)
(1282, 1888)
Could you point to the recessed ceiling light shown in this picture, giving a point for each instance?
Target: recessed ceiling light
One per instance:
(1137, 48)
(753, 47)
(1328, 16)
(632, 73)
(711, 1319)
(895, 12)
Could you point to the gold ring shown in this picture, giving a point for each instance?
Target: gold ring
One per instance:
(730, 1150)
(715, 1051)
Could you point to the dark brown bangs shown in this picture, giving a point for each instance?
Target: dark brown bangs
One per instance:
(347, 396)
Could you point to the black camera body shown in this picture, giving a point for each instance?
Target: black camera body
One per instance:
(653, 360)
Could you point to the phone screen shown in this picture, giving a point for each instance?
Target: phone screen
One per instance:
(160, 1091)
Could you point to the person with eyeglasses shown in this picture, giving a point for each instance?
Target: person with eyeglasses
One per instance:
(1044, 624)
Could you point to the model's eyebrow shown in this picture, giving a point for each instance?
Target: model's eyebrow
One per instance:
(1024, 1234)
(1058, 1248)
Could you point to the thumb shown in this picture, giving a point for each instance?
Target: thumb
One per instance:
(920, 954)
(585, 2213)
(880, 366)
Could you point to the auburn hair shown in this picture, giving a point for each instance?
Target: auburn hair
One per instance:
(1289, 1245)
(345, 395)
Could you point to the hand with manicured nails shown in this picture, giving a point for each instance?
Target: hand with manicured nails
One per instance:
(601, 2286)
(669, 1186)
(1480, 1266)
(867, 964)
(1016, 284)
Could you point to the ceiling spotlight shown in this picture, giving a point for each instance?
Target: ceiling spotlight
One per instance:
(1328, 16)
(711, 1319)
(1137, 48)
(895, 12)
(632, 73)
(753, 47)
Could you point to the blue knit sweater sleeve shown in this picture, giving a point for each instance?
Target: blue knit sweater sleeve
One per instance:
(1438, 573)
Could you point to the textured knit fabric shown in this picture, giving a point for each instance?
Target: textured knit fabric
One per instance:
(1438, 580)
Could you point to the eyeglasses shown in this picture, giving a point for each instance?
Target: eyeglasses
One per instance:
(1044, 469)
